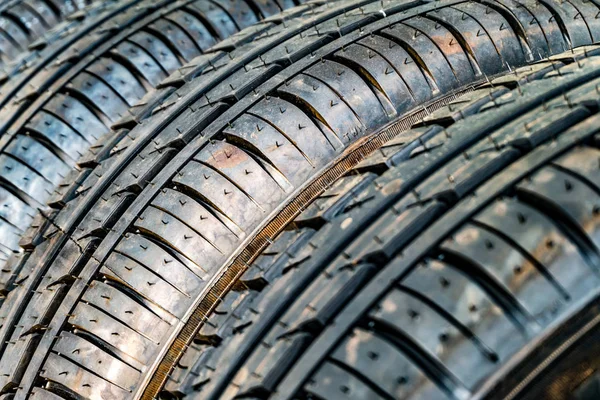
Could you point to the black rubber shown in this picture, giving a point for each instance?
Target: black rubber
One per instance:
(422, 272)
(23, 22)
(157, 213)
(70, 92)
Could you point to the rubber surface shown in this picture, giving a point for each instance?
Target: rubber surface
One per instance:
(74, 89)
(143, 237)
(23, 22)
(422, 271)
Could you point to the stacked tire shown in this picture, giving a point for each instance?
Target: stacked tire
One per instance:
(357, 199)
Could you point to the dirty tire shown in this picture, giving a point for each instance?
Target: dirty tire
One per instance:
(23, 22)
(76, 87)
(460, 260)
(173, 216)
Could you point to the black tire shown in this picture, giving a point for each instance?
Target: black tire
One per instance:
(452, 263)
(70, 92)
(460, 260)
(23, 22)
(144, 245)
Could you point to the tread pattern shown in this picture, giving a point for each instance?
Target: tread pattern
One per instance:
(83, 98)
(509, 190)
(24, 22)
(161, 208)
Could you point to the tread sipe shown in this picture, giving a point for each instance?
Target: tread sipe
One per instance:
(75, 88)
(246, 180)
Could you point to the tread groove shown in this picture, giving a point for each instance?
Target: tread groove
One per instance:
(564, 223)
(209, 206)
(584, 180)
(104, 312)
(163, 244)
(130, 292)
(89, 371)
(431, 367)
(285, 135)
(494, 289)
(204, 20)
(539, 266)
(231, 181)
(383, 56)
(560, 22)
(414, 54)
(83, 99)
(105, 346)
(150, 270)
(372, 385)
(165, 40)
(483, 348)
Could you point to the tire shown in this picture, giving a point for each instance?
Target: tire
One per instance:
(75, 88)
(460, 260)
(23, 22)
(163, 224)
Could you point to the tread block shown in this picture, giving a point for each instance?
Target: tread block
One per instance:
(122, 81)
(179, 39)
(19, 176)
(60, 370)
(573, 197)
(276, 149)
(265, 187)
(383, 365)
(102, 325)
(381, 74)
(352, 90)
(430, 332)
(14, 211)
(431, 60)
(94, 359)
(92, 90)
(39, 158)
(146, 283)
(126, 310)
(63, 139)
(299, 128)
(143, 62)
(194, 28)
(219, 193)
(158, 50)
(197, 217)
(77, 115)
(177, 235)
(332, 382)
(327, 105)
